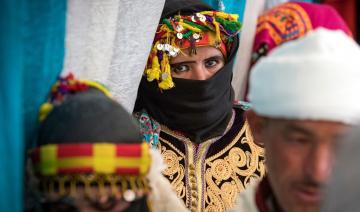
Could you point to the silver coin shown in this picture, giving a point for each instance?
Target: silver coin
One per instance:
(167, 47)
(129, 195)
(164, 75)
(173, 53)
(179, 35)
(193, 19)
(179, 28)
(196, 36)
(160, 47)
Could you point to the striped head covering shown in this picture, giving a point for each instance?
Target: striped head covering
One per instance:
(290, 21)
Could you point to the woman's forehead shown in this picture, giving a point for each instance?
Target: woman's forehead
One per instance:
(202, 52)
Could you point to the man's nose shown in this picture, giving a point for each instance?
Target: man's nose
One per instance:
(319, 165)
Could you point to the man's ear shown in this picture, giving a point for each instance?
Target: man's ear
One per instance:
(256, 124)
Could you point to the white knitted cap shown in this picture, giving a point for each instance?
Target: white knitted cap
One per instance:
(316, 77)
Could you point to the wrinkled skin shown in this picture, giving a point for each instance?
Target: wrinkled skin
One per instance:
(299, 158)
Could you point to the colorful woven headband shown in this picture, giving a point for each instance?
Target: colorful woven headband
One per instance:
(283, 23)
(290, 21)
(123, 168)
(65, 86)
(205, 28)
(99, 158)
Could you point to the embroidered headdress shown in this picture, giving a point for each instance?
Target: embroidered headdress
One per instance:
(180, 32)
(290, 21)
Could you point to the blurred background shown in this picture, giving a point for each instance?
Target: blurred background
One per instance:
(105, 40)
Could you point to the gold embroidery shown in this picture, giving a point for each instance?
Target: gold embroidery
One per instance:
(221, 170)
(195, 166)
(231, 170)
(174, 170)
(202, 150)
(212, 182)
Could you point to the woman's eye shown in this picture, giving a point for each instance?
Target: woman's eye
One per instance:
(179, 68)
(211, 63)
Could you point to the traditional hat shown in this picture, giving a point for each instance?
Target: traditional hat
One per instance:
(290, 21)
(178, 32)
(86, 139)
(315, 77)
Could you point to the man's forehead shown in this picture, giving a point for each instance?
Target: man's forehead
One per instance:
(310, 127)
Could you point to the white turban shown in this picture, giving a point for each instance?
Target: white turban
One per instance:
(316, 77)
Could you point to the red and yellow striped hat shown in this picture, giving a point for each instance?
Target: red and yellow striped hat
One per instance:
(88, 158)
(86, 138)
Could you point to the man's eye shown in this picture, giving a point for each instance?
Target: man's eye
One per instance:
(297, 140)
(180, 68)
(211, 63)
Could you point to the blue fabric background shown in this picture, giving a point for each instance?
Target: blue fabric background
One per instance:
(31, 52)
(11, 133)
(44, 33)
(231, 6)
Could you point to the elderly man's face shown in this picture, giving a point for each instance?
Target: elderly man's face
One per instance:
(299, 158)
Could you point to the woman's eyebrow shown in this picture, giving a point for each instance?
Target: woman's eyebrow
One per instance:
(217, 57)
(183, 63)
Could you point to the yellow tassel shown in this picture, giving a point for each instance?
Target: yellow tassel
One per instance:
(217, 32)
(153, 72)
(87, 185)
(164, 61)
(208, 25)
(114, 189)
(166, 83)
(45, 109)
(188, 26)
(73, 188)
(133, 183)
(168, 68)
(62, 190)
(124, 185)
(101, 186)
(221, 15)
(235, 17)
(209, 13)
(173, 43)
(165, 28)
